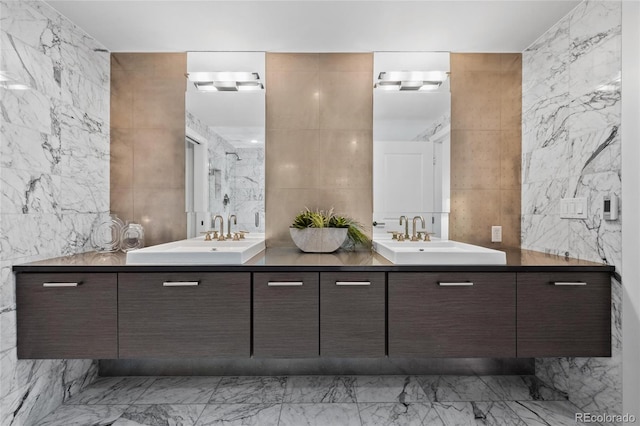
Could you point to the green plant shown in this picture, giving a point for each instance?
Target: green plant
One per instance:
(328, 219)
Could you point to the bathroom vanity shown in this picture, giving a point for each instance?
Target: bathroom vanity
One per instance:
(286, 304)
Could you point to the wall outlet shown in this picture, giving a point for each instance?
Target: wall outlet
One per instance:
(496, 234)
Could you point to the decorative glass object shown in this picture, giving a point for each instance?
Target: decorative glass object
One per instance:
(105, 236)
(132, 237)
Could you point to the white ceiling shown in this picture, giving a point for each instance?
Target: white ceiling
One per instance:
(315, 26)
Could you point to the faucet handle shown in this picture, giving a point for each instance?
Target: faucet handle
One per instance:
(427, 235)
(207, 235)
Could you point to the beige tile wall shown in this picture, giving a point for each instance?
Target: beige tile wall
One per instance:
(486, 111)
(319, 142)
(147, 142)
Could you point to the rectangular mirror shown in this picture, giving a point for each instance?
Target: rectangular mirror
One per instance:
(411, 140)
(225, 134)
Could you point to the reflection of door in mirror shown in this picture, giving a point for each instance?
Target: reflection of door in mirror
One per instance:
(189, 194)
(411, 137)
(195, 180)
(225, 109)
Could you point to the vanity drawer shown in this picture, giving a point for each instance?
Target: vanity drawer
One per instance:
(452, 314)
(285, 314)
(67, 315)
(352, 314)
(564, 314)
(184, 314)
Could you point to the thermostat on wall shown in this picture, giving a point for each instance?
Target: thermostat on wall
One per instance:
(610, 207)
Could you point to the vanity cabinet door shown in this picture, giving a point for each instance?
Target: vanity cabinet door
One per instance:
(564, 314)
(352, 314)
(285, 314)
(184, 314)
(67, 315)
(452, 314)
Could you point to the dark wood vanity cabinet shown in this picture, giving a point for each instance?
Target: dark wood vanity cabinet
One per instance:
(352, 314)
(564, 314)
(184, 314)
(329, 313)
(452, 314)
(286, 314)
(68, 315)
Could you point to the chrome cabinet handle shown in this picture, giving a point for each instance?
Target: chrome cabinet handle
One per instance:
(569, 283)
(180, 283)
(284, 283)
(353, 282)
(458, 284)
(69, 284)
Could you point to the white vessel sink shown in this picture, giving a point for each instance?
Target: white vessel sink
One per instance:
(197, 251)
(437, 252)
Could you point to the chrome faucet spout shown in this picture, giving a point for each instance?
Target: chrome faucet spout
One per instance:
(413, 234)
(406, 225)
(213, 225)
(235, 222)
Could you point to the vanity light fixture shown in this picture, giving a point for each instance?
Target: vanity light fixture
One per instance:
(226, 81)
(424, 81)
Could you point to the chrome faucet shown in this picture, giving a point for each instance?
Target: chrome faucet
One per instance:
(413, 234)
(235, 222)
(213, 225)
(406, 225)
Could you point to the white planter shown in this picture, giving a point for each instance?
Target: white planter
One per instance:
(318, 240)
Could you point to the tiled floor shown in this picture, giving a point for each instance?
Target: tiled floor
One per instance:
(316, 400)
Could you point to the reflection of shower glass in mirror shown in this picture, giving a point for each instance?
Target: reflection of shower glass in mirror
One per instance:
(216, 184)
(225, 114)
(411, 140)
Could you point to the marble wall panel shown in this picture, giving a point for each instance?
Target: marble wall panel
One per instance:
(54, 180)
(571, 145)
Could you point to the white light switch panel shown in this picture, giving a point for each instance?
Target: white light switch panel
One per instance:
(573, 208)
(496, 234)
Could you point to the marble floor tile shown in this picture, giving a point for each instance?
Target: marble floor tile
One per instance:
(179, 390)
(320, 389)
(240, 415)
(316, 400)
(456, 388)
(546, 413)
(249, 390)
(161, 415)
(402, 389)
(319, 415)
(84, 415)
(477, 413)
(392, 414)
(522, 388)
(112, 390)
